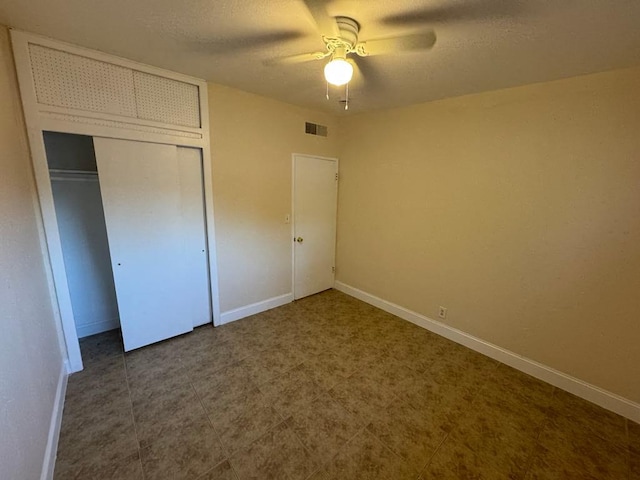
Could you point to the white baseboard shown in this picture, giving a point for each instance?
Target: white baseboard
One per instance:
(247, 310)
(97, 327)
(597, 395)
(49, 461)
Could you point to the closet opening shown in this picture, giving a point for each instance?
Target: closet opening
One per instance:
(83, 235)
(131, 218)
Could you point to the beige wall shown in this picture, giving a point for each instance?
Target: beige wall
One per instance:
(518, 210)
(252, 139)
(30, 358)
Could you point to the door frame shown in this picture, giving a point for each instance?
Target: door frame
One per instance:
(39, 119)
(293, 216)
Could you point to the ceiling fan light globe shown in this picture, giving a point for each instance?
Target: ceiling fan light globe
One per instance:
(338, 72)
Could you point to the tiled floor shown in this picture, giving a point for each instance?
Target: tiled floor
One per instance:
(327, 388)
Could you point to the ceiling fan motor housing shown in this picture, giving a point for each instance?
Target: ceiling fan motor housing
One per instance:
(346, 42)
(349, 29)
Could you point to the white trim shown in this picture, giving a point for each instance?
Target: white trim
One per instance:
(112, 129)
(97, 327)
(292, 230)
(59, 292)
(207, 173)
(49, 461)
(592, 393)
(247, 310)
(75, 114)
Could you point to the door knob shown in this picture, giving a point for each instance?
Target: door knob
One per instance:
(299, 239)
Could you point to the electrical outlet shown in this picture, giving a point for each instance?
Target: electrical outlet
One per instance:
(442, 312)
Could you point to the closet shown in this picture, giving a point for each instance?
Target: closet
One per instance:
(121, 156)
(132, 228)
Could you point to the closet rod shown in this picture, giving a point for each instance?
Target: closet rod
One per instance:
(63, 171)
(73, 175)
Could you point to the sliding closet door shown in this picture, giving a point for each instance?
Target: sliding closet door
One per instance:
(194, 234)
(141, 195)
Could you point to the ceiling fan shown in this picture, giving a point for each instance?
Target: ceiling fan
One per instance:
(340, 36)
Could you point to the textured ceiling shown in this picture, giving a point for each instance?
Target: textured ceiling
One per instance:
(481, 44)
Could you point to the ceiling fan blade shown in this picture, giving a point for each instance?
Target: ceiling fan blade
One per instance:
(383, 46)
(326, 24)
(464, 11)
(242, 43)
(368, 75)
(301, 58)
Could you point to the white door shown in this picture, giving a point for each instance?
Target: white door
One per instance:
(194, 234)
(141, 196)
(315, 188)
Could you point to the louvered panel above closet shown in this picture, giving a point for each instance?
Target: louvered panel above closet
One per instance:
(67, 80)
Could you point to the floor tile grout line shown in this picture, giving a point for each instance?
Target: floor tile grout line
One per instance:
(435, 452)
(248, 444)
(228, 454)
(544, 424)
(311, 399)
(289, 370)
(215, 431)
(322, 465)
(200, 477)
(534, 454)
(297, 437)
(627, 429)
(627, 432)
(133, 418)
(387, 447)
(328, 393)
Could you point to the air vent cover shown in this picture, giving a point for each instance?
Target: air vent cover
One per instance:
(315, 129)
(71, 81)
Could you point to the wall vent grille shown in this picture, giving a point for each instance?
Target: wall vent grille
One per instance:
(315, 129)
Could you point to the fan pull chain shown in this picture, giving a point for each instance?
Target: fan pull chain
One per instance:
(327, 90)
(346, 101)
